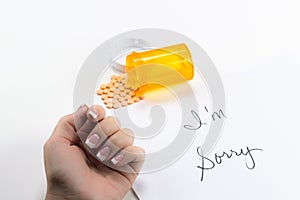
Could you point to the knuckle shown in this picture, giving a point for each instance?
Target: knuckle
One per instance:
(63, 120)
(47, 146)
(116, 141)
(128, 132)
(120, 140)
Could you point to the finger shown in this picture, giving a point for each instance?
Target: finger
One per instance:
(66, 128)
(129, 162)
(102, 132)
(93, 115)
(96, 113)
(80, 116)
(130, 155)
(113, 145)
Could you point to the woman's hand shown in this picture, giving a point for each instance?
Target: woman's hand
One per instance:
(73, 173)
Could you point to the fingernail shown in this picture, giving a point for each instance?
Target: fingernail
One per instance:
(92, 141)
(102, 155)
(93, 114)
(117, 159)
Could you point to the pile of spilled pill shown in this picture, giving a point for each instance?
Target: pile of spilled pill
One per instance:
(118, 93)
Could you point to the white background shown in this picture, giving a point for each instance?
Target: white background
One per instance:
(254, 44)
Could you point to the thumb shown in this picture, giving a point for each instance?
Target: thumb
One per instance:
(81, 120)
(65, 130)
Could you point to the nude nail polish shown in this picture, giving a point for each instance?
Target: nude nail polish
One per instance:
(117, 159)
(92, 141)
(93, 114)
(103, 153)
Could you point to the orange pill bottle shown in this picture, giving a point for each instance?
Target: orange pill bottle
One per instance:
(153, 69)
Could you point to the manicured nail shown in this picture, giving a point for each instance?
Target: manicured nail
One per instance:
(102, 155)
(92, 141)
(117, 159)
(93, 114)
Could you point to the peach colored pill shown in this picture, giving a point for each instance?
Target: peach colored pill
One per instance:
(121, 88)
(117, 85)
(103, 96)
(131, 93)
(106, 101)
(136, 99)
(109, 85)
(116, 105)
(120, 77)
(141, 97)
(109, 105)
(127, 91)
(123, 81)
(120, 99)
(130, 101)
(124, 103)
(113, 82)
(103, 86)
(113, 77)
(117, 91)
(127, 97)
(114, 101)
(110, 94)
(115, 96)
(112, 89)
(99, 92)
(105, 91)
(123, 94)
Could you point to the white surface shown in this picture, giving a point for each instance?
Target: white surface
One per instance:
(255, 46)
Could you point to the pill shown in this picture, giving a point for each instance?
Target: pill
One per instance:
(122, 94)
(117, 85)
(131, 93)
(124, 103)
(119, 78)
(106, 101)
(116, 105)
(121, 88)
(114, 101)
(113, 77)
(99, 92)
(109, 105)
(105, 91)
(113, 82)
(103, 96)
(141, 96)
(117, 91)
(115, 96)
(130, 101)
(112, 89)
(136, 99)
(110, 94)
(120, 99)
(109, 85)
(127, 97)
(102, 86)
